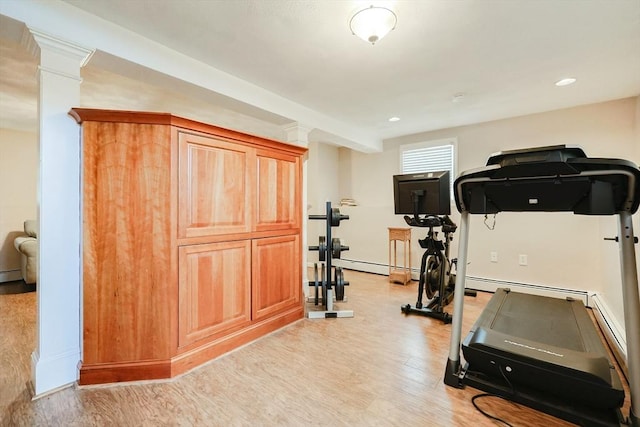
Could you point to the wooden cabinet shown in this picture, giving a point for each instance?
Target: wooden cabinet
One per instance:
(191, 242)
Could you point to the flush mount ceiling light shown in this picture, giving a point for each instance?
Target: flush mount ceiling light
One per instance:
(373, 23)
(394, 119)
(565, 82)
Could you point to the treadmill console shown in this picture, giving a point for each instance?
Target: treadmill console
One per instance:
(549, 179)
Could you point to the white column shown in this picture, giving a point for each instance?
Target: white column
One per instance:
(58, 337)
(299, 135)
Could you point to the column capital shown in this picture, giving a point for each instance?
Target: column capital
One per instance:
(297, 133)
(36, 41)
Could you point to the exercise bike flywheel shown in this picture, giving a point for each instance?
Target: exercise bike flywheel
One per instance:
(432, 277)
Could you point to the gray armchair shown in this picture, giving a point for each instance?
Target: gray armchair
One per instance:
(27, 245)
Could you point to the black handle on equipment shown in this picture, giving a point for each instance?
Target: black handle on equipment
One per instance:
(616, 239)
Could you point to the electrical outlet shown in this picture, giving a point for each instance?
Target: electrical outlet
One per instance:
(523, 259)
(494, 256)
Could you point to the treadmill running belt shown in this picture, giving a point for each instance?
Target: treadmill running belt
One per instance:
(551, 323)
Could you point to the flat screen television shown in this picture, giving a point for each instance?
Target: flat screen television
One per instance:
(425, 193)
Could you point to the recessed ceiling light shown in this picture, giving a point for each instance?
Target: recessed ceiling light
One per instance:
(565, 82)
(394, 119)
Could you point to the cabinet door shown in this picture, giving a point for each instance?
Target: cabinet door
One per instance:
(277, 281)
(215, 289)
(215, 186)
(278, 198)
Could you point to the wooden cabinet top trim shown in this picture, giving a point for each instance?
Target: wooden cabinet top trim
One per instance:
(152, 118)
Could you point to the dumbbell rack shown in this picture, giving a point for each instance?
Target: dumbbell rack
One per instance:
(325, 288)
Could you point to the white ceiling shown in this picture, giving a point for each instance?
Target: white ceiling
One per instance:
(504, 56)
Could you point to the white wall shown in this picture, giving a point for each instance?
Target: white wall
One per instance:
(610, 277)
(370, 186)
(322, 187)
(564, 250)
(18, 197)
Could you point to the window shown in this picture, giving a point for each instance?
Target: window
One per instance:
(430, 156)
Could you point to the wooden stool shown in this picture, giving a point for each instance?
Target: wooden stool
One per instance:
(399, 274)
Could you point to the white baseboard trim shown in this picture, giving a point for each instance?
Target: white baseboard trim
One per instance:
(473, 282)
(367, 267)
(490, 285)
(54, 372)
(10, 275)
(612, 330)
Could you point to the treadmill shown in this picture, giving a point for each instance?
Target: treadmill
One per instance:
(539, 351)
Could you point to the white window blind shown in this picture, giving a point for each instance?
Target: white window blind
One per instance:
(429, 157)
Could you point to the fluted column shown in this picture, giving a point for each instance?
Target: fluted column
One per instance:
(58, 337)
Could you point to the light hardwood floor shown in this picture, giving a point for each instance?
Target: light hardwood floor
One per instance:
(380, 368)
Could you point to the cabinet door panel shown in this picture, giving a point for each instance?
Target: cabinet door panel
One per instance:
(215, 289)
(276, 275)
(215, 186)
(278, 198)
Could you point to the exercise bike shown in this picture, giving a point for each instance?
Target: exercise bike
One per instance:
(437, 280)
